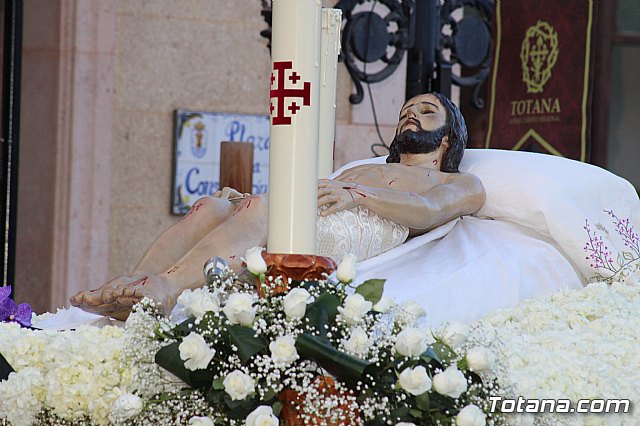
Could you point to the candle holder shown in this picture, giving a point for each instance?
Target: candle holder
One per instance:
(297, 267)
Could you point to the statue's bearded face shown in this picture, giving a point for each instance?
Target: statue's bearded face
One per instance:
(420, 141)
(423, 112)
(421, 125)
(427, 123)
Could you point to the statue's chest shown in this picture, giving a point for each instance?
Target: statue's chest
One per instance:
(410, 179)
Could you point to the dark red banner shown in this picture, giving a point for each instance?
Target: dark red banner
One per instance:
(539, 95)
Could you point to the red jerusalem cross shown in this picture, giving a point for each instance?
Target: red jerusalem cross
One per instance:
(280, 93)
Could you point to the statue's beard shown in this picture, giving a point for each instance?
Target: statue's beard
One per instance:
(418, 142)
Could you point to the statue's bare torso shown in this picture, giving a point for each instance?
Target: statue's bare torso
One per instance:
(395, 176)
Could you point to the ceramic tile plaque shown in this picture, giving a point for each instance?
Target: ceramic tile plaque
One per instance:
(198, 136)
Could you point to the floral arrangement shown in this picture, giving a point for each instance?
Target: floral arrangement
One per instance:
(73, 375)
(579, 344)
(317, 355)
(323, 352)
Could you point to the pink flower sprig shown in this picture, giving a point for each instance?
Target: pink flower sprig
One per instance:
(598, 252)
(625, 229)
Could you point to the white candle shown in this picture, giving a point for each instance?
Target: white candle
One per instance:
(331, 21)
(293, 149)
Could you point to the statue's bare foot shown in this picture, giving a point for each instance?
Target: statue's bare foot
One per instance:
(117, 297)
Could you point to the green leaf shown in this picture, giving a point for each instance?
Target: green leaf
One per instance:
(169, 359)
(441, 402)
(475, 378)
(422, 401)
(322, 311)
(328, 302)
(371, 290)
(443, 352)
(344, 367)
(210, 321)
(277, 407)
(318, 318)
(239, 410)
(400, 412)
(430, 356)
(5, 368)
(246, 341)
(184, 328)
(462, 364)
(215, 396)
(269, 395)
(415, 413)
(376, 421)
(218, 383)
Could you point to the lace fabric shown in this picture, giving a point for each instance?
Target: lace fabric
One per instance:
(358, 231)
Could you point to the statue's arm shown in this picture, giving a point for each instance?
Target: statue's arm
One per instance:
(421, 210)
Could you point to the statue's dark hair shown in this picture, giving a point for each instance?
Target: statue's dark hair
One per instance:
(456, 131)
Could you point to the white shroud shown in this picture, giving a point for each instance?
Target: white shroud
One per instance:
(528, 239)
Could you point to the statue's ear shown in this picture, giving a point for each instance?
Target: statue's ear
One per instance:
(445, 142)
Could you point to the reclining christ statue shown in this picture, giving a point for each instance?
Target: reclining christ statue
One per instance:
(378, 206)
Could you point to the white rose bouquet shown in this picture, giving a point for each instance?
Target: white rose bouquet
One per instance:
(319, 352)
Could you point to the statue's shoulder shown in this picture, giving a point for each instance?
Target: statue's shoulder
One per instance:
(460, 177)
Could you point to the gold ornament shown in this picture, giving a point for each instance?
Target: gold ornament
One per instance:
(539, 53)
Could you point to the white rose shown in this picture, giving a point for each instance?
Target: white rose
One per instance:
(416, 381)
(355, 307)
(405, 424)
(480, 359)
(195, 352)
(454, 333)
(411, 342)
(450, 382)
(238, 385)
(197, 302)
(283, 350)
(384, 304)
(200, 421)
(471, 415)
(295, 302)
(346, 271)
(127, 406)
(358, 342)
(254, 260)
(414, 308)
(262, 416)
(522, 419)
(239, 309)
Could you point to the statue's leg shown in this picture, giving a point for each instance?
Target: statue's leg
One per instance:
(245, 227)
(171, 245)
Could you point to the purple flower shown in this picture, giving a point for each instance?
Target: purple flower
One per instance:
(9, 312)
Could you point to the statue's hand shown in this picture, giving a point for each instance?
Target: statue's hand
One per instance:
(338, 195)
